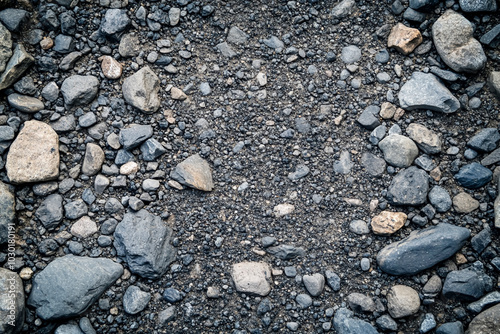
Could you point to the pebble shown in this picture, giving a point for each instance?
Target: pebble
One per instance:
(402, 301)
(252, 278)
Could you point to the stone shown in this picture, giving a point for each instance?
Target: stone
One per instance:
(485, 141)
(451, 328)
(286, 252)
(64, 44)
(115, 21)
(490, 299)
(359, 227)
(374, 165)
(284, 209)
(378, 134)
(69, 285)
(12, 308)
(422, 249)
(75, 209)
(423, 5)
(480, 241)
(79, 90)
(425, 91)
(404, 39)
(402, 301)
(440, 199)
(237, 36)
(412, 15)
(134, 136)
(50, 212)
(473, 6)
(359, 302)
(68, 329)
(84, 228)
(343, 9)
(151, 149)
(225, 50)
(387, 222)
(64, 124)
(174, 15)
(274, 42)
(464, 203)
(386, 323)
(15, 68)
(493, 83)
(166, 315)
(464, 285)
(350, 54)
(93, 160)
(252, 278)
(485, 322)
(34, 154)
(144, 242)
(427, 140)
(194, 172)
(177, 94)
(344, 322)
(344, 164)
(12, 18)
(135, 300)
(7, 212)
(300, 172)
(130, 46)
(433, 287)
(141, 90)
(409, 187)
(491, 158)
(492, 37)
(5, 47)
(473, 176)
(453, 38)
(111, 68)
(314, 284)
(368, 118)
(304, 300)
(333, 280)
(428, 324)
(172, 295)
(399, 151)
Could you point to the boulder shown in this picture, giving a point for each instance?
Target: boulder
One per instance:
(464, 285)
(486, 322)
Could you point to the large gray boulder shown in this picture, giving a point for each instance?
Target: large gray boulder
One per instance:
(453, 37)
(12, 302)
(70, 284)
(7, 211)
(142, 240)
(141, 90)
(422, 249)
(79, 90)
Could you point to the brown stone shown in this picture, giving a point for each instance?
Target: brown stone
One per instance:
(177, 94)
(46, 43)
(387, 110)
(387, 222)
(464, 203)
(404, 39)
(111, 68)
(34, 154)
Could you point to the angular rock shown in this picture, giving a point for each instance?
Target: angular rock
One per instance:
(69, 285)
(464, 203)
(93, 160)
(359, 302)
(422, 249)
(12, 18)
(144, 242)
(343, 9)
(152, 149)
(237, 36)
(115, 21)
(15, 68)
(423, 5)
(485, 322)
(7, 212)
(314, 284)
(399, 151)
(453, 38)
(409, 187)
(194, 172)
(135, 300)
(50, 213)
(451, 328)
(402, 301)
(141, 90)
(135, 135)
(84, 227)
(79, 90)
(34, 154)
(252, 278)
(344, 322)
(427, 140)
(490, 299)
(226, 50)
(387, 222)
(473, 176)
(374, 165)
(465, 285)
(359, 227)
(130, 46)
(5, 47)
(284, 209)
(485, 141)
(491, 158)
(12, 306)
(344, 164)
(75, 209)
(425, 91)
(404, 39)
(493, 83)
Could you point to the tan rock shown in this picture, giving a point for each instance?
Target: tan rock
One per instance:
(34, 154)
(464, 203)
(194, 172)
(387, 110)
(281, 210)
(252, 278)
(111, 68)
(93, 160)
(46, 43)
(486, 322)
(387, 223)
(177, 94)
(402, 301)
(84, 227)
(404, 39)
(426, 139)
(130, 167)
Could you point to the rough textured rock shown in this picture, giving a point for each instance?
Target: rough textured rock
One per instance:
(427, 140)
(34, 154)
(194, 172)
(402, 301)
(486, 322)
(286, 252)
(344, 322)
(111, 68)
(70, 284)
(485, 140)
(387, 222)
(425, 91)
(465, 203)
(50, 213)
(343, 9)
(144, 242)
(93, 160)
(473, 176)
(472, 6)
(134, 135)
(79, 90)
(83, 227)
(404, 39)
(453, 37)
(135, 300)
(252, 278)
(409, 187)
(17, 65)
(422, 249)
(399, 151)
(115, 21)
(12, 305)
(7, 211)
(5, 47)
(494, 83)
(440, 199)
(314, 284)
(130, 46)
(359, 302)
(463, 285)
(141, 90)
(24, 103)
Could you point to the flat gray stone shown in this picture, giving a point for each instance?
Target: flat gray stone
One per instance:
(135, 135)
(237, 36)
(50, 212)
(194, 172)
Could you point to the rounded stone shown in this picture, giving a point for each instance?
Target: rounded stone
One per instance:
(402, 301)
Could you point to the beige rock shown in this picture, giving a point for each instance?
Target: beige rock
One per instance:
(194, 172)
(177, 94)
(252, 277)
(46, 43)
(387, 223)
(84, 227)
(281, 210)
(486, 322)
(111, 68)
(130, 167)
(404, 39)
(426, 139)
(464, 203)
(34, 154)
(494, 83)
(387, 110)
(402, 301)
(93, 160)
(26, 273)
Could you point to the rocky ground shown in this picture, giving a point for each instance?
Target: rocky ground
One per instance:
(249, 166)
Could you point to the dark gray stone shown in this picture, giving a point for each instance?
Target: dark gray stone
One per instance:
(359, 302)
(481, 240)
(412, 15)
(425, 5)
(134, 136)
(143, 241)
(422, 249)
(50, 213)
(122, 157)
(473, 176)
(333, 280)
(374, 165)
(70, 284)
(344, 322)
(17, 65)
(409, 187)
(75, 209)
(465, 285)
(485, 141)
(7, 211)
(64, 44)
(135, 300)
(79, 90)
(386, 323)
(152, 149)
(115, 21)
(490, 299)
(485, 322)
(12, 18)
(48, 247)
(451, 328)
(68, 23)
(25, 86)
(491, 158)
(368, 118)
(286, 252)
(440, 199)
(444, 74)
(172, 295)
(6, 133)
(69, 61)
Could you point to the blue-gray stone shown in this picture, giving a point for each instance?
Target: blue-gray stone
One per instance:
(122, 157)
(382, 56)
(135, 300)
(492, 37)
(68, 329)
(473, 6)
(350, 54)
(304, 300)
(440, 199)
(286, 252)
(64, 44)
(264, 306)
(485, 141)
(480, 241)
(422, 249)
(300, 172)
(428, 324)
(152, 149)
(386, 323)
(409, 187)
(368, 118)
(464, 285)
(115, 21)
(473, 176)
(451, 328)
(50, 212)
(79, 90)
(135, 135)
(172, 295)
(412, 15)
(444, 74)
(425, 5)
(344, 322)
(274, 43)
(333, 280)
(12, 18)
(75, 209)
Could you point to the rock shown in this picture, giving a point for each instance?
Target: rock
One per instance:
(399, 151)
(174, 15)
(15, 68)
(344, 164)
(490, 299)
(463, 285)
(387, 223)
(440, 199)
(359, 302)
(93, 160)
(427, 140)
(166, 315)
(492, 37)
(64, 44)
(75, 209)
(333, 280)
(34, 154)
(68, 329)
(314, 284)
(286, 252)
(111, 68)
(225, 50)
(473, 6)
(485, 141)
(5, 47)
(84, 228)
(79, 90)
(485, 322)
(50, 212)
(64, 124)
(493, 83)
(464, 203)
(453, 38)
(386, 323)
(252, 278)
(274, 42)
(194, 172)
(70, 284)
(237, 36)
(141, 90)
(12, 306)
(473, 176)
(284, 209)
(368, 118)
(7, 212)
(135, 135)
(304, 300)
(359, 227)
(300, 172)
(130, 46)
(374, 165)
(428, 324)
(433, 287)
(402, 301)
(177, 94)
(480, 241)
(115, 21)
(404, 39)
(425, 91)
(135, 300)
(451, 328)
(144, 242)
(344, 322)
(152, 149)
(422, 249)
(424, 5)
(12, 18)
(350, 54)
(343, 9)
(409, 187)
